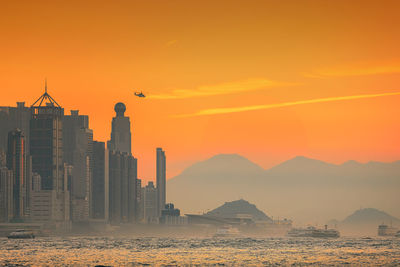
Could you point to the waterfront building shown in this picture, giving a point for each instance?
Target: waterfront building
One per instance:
(100, 182)
(122, 170)
(46, 150)
(6, 194)
(149, 201)
(161, 179)
(16, 161)
(122, 180)
(78, 152)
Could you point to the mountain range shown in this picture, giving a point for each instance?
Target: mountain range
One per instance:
(303, 189)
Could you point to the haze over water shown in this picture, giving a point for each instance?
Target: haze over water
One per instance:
(130, 251)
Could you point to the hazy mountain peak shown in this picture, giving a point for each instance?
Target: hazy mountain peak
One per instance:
(370, 215)
(239, 207)
(351, 163)
(226, 163)
(301, 163)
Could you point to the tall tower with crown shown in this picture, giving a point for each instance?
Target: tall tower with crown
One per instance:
(46, 146)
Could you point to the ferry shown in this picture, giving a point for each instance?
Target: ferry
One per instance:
(21, 234)
(385, 230)
(227, 231)
(313, 232)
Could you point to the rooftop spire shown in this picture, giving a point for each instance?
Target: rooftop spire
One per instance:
(45, 97)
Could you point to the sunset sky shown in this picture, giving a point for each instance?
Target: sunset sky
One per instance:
(269, 80)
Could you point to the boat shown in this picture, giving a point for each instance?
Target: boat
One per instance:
(311, 231)
(385, 230)
(397, 234)
(227, 231)
(21, 234)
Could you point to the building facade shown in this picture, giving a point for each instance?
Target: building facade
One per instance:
(78, 152)
(100, 182)
(120, 131)
(16, 161)
(161, 179)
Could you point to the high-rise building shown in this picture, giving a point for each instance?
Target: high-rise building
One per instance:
(78, 152)
(100, 182)
(6, 194)
(122, 169)
(46, 146)
(3, 158)
(120, 131)
(139, 198)
(149, 201)
(161, 180)
(16, 161)
(122, 177)
(46, 149)
(14, 118)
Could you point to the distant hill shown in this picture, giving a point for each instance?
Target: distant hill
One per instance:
(234, 208)
(306, 190)
(226, 166)
(369, 216)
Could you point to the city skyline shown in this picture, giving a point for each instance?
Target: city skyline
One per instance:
(188, 58)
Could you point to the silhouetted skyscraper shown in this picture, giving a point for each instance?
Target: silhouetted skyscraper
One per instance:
(100, 182)
(14, 118)
(122, 169)
(46, 149)
(161, 180)
(16, 161)
(78, 152)
(6, 194)
(46, 146)
(149, 202)
(120, 131)
(123, 176)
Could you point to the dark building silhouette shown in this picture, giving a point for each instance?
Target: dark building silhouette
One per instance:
(100, 182)
(52, 202)
(46, 146)
(6, 193)
(14, 118)
(149, 203)
(120, 131)
(16, 162)
(122, 170)
(161, 180)
(122, 176)
(78, 152)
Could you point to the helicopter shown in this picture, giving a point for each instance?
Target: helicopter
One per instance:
(139, 94)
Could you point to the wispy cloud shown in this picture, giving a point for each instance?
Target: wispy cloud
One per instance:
(280, 105)
(221, 89)
(353, 71)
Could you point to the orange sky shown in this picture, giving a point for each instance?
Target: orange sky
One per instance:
(191, 57)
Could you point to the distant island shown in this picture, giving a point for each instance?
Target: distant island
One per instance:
(239, 207)
(309, 191)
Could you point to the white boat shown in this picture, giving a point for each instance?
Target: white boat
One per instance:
(313, 232)
(21, 234)
(227, 231)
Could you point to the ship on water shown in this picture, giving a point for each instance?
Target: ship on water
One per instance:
(386, 230)
(227, 231)
(21, 234)
(312, 231)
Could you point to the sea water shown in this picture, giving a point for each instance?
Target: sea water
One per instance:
(129, 251)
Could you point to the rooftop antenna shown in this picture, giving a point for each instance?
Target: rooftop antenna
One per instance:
(45, 85)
